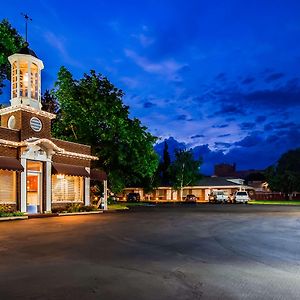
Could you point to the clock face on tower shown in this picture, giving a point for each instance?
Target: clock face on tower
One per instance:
(36, 124)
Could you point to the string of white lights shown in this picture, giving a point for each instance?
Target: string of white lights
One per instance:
(59, 151)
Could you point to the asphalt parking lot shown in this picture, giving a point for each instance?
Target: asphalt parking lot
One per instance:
(201, 252)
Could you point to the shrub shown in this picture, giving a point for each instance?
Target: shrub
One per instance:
(11, 214)
(74, 207)
(79, 207)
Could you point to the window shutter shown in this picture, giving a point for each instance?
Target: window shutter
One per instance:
(7, 187)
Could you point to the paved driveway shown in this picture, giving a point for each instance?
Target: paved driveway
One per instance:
(205, 252)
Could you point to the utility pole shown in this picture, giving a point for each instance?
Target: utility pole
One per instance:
(27, 18)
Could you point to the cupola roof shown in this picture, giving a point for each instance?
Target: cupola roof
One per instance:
(26, 50)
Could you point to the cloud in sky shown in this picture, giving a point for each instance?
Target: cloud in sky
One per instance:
(209, 75)
(167, 68)
(59, 44)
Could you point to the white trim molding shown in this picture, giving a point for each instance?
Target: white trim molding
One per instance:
(87, 196)
(48, 145)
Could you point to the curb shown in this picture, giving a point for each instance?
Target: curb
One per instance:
(13, 218)
(40, 216)
(81, 213)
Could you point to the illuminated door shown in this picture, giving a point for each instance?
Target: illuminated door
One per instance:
(34, 187)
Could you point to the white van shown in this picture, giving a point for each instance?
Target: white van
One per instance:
(241, 197)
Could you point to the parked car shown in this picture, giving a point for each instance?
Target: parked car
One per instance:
(133, 197)
(191, 198)
(218, 197)
(241, 197)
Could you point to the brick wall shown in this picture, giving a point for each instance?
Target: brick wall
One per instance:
(17, 114)
(8, 151)
(72, 147)
(9, 134)
(71, 161)
(27, 132)
(23, 124)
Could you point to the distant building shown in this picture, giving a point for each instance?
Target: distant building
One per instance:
(225, 170)
(201, 190)
(253, 178)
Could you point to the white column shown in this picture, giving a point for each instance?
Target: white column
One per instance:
(23, 186)
(87, 196)
(48, 186)
(18, 80)
(105, 194)
(29, 81)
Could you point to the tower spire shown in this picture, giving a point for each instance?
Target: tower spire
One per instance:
(27, 18)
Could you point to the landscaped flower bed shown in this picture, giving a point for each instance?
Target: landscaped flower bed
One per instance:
(8, 211)
(73, 208)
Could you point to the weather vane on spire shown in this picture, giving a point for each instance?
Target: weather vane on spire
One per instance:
(27, 18)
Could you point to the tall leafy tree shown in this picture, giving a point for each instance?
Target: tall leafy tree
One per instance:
(49, 103)
(285, 175)
(92, 112)
(165, 165)
(184, 170)
(10, 43)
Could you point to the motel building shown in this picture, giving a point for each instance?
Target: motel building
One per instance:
(37, 172)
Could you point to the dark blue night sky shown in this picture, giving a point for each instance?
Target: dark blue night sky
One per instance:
(222, 76)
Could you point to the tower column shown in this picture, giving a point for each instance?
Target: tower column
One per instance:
(29, 81)
(18, 80)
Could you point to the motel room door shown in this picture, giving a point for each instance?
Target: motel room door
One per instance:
(34, 187)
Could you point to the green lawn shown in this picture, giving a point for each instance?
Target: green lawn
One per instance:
(127, 205)
(118, 206)
(275, 202)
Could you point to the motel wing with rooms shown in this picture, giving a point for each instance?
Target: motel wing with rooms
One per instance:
(37, 172)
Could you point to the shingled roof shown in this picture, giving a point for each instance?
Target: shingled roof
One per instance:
(216, 181)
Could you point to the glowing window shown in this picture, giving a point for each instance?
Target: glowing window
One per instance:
(67, 188)
(24, 79)
(34, 166)
(7, 187)
(34, 81)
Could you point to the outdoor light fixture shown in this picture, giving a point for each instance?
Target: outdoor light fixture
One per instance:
(60, 176)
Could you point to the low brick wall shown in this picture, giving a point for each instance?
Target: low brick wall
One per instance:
(276, 196)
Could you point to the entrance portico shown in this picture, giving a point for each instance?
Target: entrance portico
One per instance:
(36, 160)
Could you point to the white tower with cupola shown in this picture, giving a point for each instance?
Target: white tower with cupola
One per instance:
(26, 78)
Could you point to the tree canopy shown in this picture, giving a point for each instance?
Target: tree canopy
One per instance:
(184, 170)
(92, 112)
(10, 43)
(49, 103)
(285, 175)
